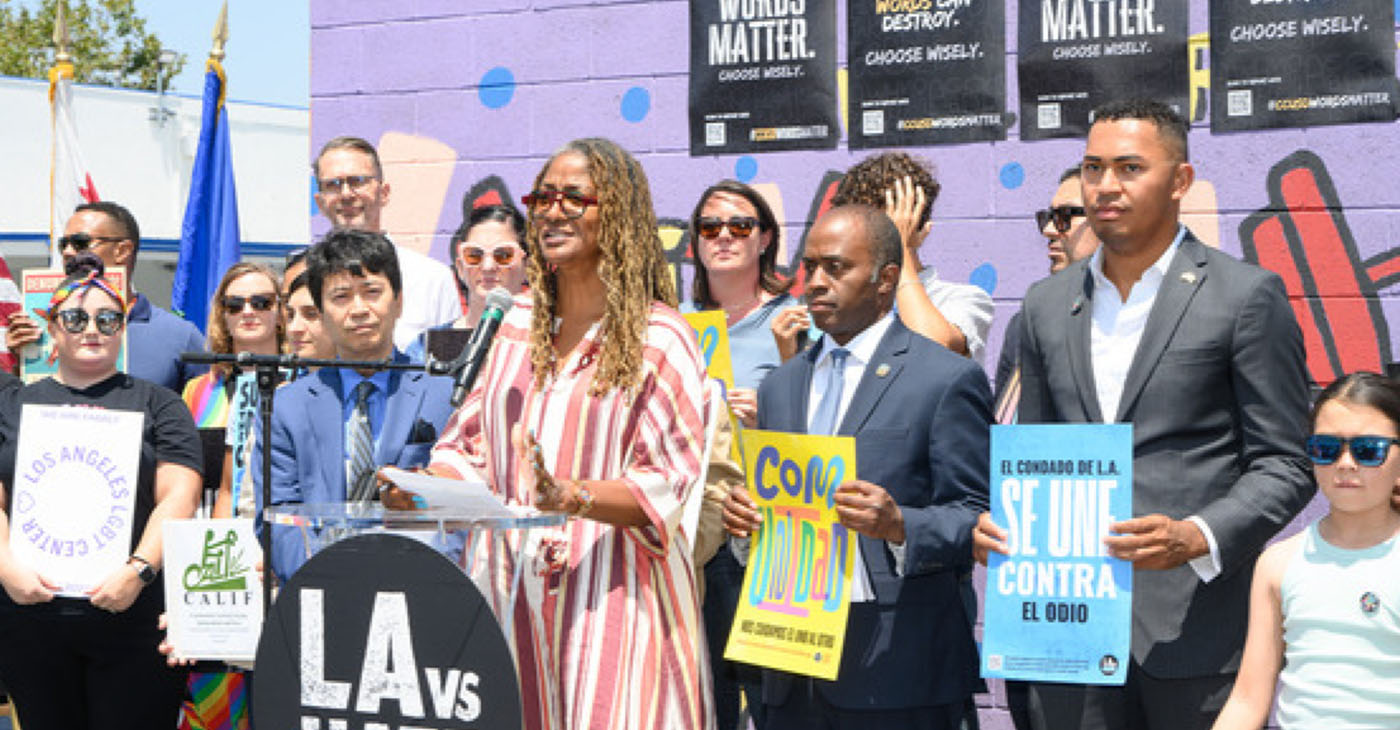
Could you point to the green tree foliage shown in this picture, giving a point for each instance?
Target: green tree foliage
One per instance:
(108, 41)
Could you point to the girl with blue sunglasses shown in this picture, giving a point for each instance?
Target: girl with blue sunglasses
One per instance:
(1324, 609)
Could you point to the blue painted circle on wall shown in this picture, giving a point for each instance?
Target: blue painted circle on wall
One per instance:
(1012, 175)
(984, 277)
(635, 104)
(746, 167)
(497, 87)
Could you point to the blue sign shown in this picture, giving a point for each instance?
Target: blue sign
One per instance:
(1058, 608)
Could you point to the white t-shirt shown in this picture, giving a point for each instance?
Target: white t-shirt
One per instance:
(429, 296)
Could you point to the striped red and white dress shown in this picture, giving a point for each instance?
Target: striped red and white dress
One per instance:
(606, 625)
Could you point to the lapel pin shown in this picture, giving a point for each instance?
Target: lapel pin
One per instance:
(1189, 277)
(1076, 306)
(882, 371)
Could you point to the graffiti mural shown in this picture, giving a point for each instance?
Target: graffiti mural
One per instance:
(467, 100)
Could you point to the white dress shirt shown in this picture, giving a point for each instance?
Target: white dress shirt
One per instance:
(1118, 325)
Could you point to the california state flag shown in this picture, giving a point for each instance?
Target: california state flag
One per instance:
(71, 183)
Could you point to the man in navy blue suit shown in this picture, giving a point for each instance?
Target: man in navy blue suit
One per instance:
(331, 429)
(920, 417)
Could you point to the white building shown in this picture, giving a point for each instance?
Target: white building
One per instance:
(142, 158)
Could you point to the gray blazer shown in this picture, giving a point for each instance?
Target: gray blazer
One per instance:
(1217, 393)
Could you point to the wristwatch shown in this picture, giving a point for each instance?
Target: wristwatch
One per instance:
(143, 569)
(585, 501)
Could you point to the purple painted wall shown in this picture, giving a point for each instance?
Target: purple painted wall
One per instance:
(467, 97)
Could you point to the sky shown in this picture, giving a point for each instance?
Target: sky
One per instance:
(268, 48)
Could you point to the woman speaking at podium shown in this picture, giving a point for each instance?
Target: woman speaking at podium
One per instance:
(591, 404)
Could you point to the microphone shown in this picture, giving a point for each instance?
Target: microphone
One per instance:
(498, 302)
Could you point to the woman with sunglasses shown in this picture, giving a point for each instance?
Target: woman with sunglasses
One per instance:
(1324, 608)
(246, 317)
(590, 404)
(736, 239)
(92, 662)
(487, 253)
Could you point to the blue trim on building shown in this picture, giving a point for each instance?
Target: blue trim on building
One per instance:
(260, 249)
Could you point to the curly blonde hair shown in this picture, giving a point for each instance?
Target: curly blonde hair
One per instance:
(632, 267)
(220, 339)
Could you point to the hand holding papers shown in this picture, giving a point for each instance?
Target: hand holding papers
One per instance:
(413, 491)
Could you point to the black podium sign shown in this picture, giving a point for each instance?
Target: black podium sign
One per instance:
(924, 72)
(1077, 54)
(1299, 64)
(763, 76)
(381, 631)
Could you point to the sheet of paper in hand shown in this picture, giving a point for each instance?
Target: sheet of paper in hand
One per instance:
(75, 493)
(461, 496)
(212, 595)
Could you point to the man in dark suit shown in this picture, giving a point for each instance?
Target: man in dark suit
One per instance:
(920, 416)
(1202, 354)
(333, 428)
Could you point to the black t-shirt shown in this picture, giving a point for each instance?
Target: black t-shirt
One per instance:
(168, 432)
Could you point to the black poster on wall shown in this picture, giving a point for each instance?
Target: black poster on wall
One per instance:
(926, 71)
(1294, 64)
(1077, 54)
(762, 76)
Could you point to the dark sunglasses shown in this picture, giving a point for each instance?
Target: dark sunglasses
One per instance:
(75, 321)
(739, 226)
(503, 256)
(82, 241)
(260, 302)
(1063, 215)
(334, 184)
(1365, 450)
(571, 202)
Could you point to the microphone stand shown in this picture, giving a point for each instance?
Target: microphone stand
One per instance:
(269, 374)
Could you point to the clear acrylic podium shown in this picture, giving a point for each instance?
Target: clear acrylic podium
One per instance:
(457, 533)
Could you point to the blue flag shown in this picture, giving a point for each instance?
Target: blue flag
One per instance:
(209, 235)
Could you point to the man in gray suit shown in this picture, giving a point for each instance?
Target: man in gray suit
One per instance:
(1202, 354)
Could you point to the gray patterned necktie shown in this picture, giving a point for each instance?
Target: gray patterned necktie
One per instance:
(359, 462)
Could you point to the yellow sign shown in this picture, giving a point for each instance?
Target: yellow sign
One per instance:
(792, 612)
(713, 333)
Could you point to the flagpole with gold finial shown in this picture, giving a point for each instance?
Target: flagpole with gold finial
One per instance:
(62, 68)
(216, 54)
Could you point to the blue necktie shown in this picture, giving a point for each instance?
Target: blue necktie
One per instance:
(360, 461)
(824, 421)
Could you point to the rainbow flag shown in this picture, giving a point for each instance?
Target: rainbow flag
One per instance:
(207, 400)
(218, 701)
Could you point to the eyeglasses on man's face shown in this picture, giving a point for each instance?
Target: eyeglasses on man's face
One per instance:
(81, 242)
(1062, 215)
(571, 202)
(75, 321)
(336, 184)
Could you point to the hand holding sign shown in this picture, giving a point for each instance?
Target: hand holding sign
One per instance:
(117, 591)
(26, 586)
(741, 516)
(987, 537)
(743, 403)
(870, 510)
(1156, 542)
